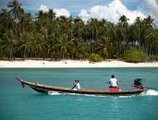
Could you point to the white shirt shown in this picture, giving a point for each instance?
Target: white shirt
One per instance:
(78, 86)
(113, 82)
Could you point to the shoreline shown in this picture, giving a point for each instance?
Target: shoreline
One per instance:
(72, 64)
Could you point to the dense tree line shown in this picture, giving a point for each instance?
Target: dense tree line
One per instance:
(49, 37)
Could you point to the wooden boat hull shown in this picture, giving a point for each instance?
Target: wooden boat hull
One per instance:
(46, 88)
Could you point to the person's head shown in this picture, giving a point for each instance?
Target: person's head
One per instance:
(138, 79)
(112, 76)
(76, 81)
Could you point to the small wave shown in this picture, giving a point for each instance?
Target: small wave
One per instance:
(58, 93)
(127, 96)
(145, 93)
(94, 95)
(53, 93)
(150, 92)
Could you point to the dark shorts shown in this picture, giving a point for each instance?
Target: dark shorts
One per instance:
(113, 87)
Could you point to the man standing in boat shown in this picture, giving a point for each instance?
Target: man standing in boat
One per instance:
(113, 82)
(76, 85)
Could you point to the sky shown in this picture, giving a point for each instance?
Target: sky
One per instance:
(86, 9)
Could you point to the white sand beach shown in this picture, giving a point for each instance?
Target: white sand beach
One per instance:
(71, 64)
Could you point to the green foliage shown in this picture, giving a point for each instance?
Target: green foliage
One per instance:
(49, 37)
(95, 58)
(2, 57)
(135, 55)
(153, 58)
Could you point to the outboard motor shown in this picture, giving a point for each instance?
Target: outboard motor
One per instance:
(138, 83)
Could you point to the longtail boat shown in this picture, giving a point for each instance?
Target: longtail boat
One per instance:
(47, 88)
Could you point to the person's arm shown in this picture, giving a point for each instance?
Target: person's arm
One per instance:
(117, 82)
(110, 81)
(73, 86)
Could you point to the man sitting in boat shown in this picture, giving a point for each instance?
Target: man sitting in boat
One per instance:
(138, 84)
(113, 82)
(76, 85)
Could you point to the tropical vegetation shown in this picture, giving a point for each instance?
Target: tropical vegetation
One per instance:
(46, 36)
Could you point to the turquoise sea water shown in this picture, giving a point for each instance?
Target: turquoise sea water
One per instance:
(17, 103)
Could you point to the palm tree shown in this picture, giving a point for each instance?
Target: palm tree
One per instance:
(49, 19)
(105, 47)
(149, 34)
(16, 13)
(15, 9)
(9, 43)
(136, 30)
(26, 23)
(64, 45)
(51, 46)
(123, 30)
(6, 20)
(25, 45)
(78, 28)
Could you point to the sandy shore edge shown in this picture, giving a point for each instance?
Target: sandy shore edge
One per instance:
(72, 64)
